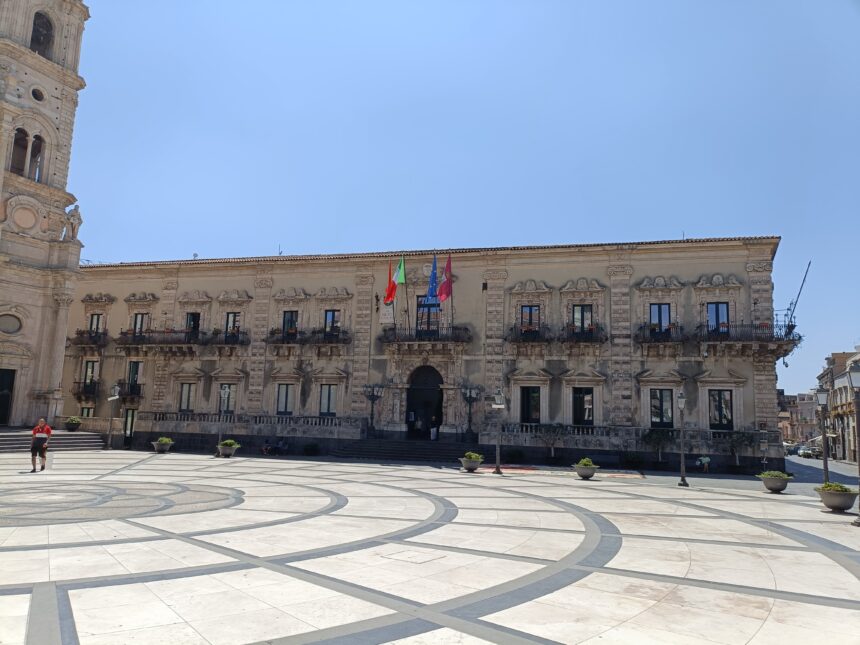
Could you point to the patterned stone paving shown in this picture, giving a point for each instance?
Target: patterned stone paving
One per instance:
(124, 547)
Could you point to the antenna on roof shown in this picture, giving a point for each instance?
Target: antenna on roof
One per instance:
(280, 252)
(194, 256)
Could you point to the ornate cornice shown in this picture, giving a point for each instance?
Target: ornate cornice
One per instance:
(333, 293)
(290, 294)
(195, 297)
(758, 267)
(141, 298)
(235, 297)
(531, 287)
(98, 299)
(660, 283)
(717, 281)
(582, 286)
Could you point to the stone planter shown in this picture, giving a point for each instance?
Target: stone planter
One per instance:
(835, 501)
(227, 451)
(775, 484)
(585, 472)
(71, 427)
(470, 465)
(161, 447)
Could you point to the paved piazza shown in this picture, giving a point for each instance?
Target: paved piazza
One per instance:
(106, 548)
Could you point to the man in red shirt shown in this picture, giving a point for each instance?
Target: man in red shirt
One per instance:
(41, 434)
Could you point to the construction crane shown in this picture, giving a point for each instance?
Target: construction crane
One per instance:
(790, 325)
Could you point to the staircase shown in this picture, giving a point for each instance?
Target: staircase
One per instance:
(392, 450)
(18, 440)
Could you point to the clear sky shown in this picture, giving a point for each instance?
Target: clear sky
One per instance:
(229, 128)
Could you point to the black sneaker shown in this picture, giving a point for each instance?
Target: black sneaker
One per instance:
(32, 471)
(42, 468)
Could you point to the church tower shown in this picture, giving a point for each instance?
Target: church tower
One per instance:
(40, 43)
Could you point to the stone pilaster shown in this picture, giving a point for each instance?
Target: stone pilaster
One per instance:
(764, 385)
(362, 341)
(494, 329)
(167, 304)
(160, 380)
(257, 350)
(621, 346)
(63, 301)
(761, 290)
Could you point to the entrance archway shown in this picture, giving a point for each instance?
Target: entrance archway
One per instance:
(423, 402)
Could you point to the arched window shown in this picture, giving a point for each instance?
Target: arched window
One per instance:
(37, 158)
(19, 152)
(43, 35)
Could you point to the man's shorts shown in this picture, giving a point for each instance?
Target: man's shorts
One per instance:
(39, 447)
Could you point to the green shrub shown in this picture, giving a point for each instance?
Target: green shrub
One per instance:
(164, 440)
(585, 462)
(515, 456)
(229, 443)
(311, 449)
(474, 456)
(774, 474)
(833, 487)
(76, 420)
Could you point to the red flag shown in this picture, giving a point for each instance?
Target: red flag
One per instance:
(391, 289)
(446, 285)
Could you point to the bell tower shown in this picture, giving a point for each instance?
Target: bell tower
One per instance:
(40, 42)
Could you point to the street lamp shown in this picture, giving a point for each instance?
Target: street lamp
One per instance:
(822, 396)
(499, 403)
(225, 403)
(682, 402)
(373, 392)
(471, 393)
(856, 393)
(113, 398)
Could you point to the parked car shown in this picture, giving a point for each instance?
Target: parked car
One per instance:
(817, 452)
(790, 448)
(804, 452)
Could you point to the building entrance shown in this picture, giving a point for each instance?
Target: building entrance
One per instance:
(423, 402)
(7, 385)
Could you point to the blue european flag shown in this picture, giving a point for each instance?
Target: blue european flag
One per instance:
(431, 297)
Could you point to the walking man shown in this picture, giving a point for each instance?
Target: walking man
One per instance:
(41, 434)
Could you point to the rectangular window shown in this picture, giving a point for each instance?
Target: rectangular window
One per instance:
(581, 318)
(135, 371)
(332, 322)
(529, 317)
(284, 404)
(660, 316)
(290, 326)
(661, 408)
(227, 398)
(720, 410)
(96, 322)
(232, 321)
(128, 422)
(530, 404)
(718, 317)
(583, 406)
(427, 317)
(187, 396)
(91, 371)
(328, 400)
(139, 323)
(87, 412)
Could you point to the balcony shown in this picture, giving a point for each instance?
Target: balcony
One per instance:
(579, 334)
(748, 332)
(85, 390)
(180, 337)
(234, 337)
(88, 338)
(291, 336)
(649, 333)
(438, 334)
(328, 336)
(130, 392)
(529, 334)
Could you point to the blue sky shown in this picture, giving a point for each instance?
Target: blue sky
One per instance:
(227, 129)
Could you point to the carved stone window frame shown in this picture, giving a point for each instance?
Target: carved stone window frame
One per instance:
(141, 303)
(234, 376)
(649, 380)
(659, 290)
(583, 291)
(527, 378)
(571, 380)
(185, 374)
(284, 377)
(530, 292)
(99, 303)
(290, 299)
(332, 298)
(195, 301)
(238, 300)
(729, 381)
(329, 377)
(717, 288)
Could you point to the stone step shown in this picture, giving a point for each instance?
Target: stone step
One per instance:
(18, 441)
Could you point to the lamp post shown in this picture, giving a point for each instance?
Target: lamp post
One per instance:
(113, 398)
(373, 392)
(821, 394)
(471, 394)
(682, 402)
(225, 402)
(499, 404)
(856, 393)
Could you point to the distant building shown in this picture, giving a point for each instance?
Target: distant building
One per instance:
(842, 419)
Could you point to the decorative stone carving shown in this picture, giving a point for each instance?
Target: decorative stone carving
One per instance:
(235, 297)
(98, 299)
(717, 281)
(333, 293)
(63, 300)
(141, 298)
(619, 269)
(72, 224)
(195, 297)
(495, 274)
(660, 282)
(364, 281)
(290, 294)
(757, 267)
(531, 286)
(263, 283)
(583, 286)
(169, 285)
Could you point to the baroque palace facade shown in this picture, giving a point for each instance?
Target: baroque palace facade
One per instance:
(597, 346)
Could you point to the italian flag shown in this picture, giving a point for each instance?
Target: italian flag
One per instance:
(398, 277)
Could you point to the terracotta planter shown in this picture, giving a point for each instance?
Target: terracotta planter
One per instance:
(161, 447)
(470, 465)
(585, 472)
(774, 484)
(837, 502)
(227, 451)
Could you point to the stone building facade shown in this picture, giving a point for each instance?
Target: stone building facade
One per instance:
(39, 250)
(841, 379)
(597, 340)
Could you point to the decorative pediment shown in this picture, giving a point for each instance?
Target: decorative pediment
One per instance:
(669, 377)
(582, 285)
(658, 283)
(141, 298)
(717, 281)
(722, 377)
(585, 376)
(98, 299)
(291, 294)
(195, 297)
(522, 375)
(189, 372)
(531, 286)
(321, 375)
(333, 293)
(229, 374)
(290, 374)
(235, 297)
(15, 349)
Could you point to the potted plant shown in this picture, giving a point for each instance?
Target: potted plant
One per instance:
(585, 468)
(73, 423)
(836, 497)
(228, 447)
(162, 444)
(471, 461)
(774, 480)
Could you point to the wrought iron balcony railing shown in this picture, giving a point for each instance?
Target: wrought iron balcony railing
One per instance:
(86, 337)
(440, 333)
(290, 336)
(583, 334)
(130, 390)
(151, 337)
(85, 389)
(530, 334)
(649, 333)
(748, 332)
(329, 336)
(236, 337)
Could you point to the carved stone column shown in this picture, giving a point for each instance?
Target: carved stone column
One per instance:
(362, 341)
(257, 350)
(57, 353)
(494, 329)
(620, 346)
